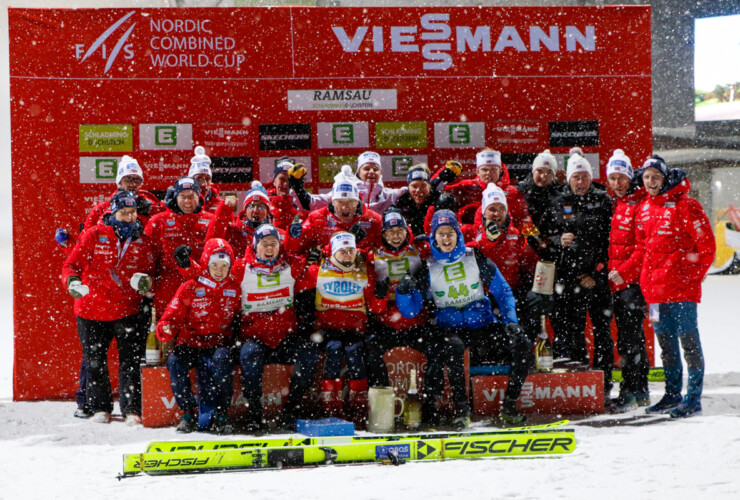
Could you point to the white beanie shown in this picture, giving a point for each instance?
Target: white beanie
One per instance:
(345, 185)
(488, 157)
(342, 240)
(578, 163)
(367, 157)
(545, 160)
(200, 163)
(219, 257)
(619, 163)
(128, 166)
(493, 194)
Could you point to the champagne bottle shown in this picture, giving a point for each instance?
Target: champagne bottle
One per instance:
(543, 350)
(153, 354)
(412, 406)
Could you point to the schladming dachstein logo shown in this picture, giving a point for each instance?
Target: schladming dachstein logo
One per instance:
(104, 50)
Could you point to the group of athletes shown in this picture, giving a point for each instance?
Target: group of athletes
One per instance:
(442, 265)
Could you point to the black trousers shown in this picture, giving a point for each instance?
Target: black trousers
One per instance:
(382, 338)
(629, 312)
(96, 338)
(569, 323)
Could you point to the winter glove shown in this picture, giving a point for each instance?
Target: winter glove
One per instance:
(182, 256)
(296, 173)
(446, 202)
(141, 282)
(381, 287)
(537, 303)
(358, 231)
(406, 286)
(295, 228)
(75, 287)
(62, 237)
(513, 330)
(314, 255)
(493, 231)
(451, 171)
(143, 206)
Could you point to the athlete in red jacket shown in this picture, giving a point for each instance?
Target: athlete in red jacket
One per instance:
(346, 290)
(283, 204)
(276, 322)
(675, 236)
(200, 170)
(345, 213)
(624, 274)
(107, 272)
(200, 318)
(239, 232)
(185, 223)
(469, 191)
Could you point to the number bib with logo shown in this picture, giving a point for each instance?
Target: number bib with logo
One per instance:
(338, 290)
(398, 266)
(265, 292)
(457, 284)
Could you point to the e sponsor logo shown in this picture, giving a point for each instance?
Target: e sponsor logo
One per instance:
(343, 135)
(460, 135)
(165, 136)
(454, 272)
(98, 170)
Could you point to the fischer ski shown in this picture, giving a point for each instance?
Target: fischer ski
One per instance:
(162, 446)
(480, 445)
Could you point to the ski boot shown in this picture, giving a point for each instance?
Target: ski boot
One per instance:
(188, 423)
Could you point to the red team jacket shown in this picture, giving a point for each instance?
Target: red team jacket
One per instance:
(202, 311)
(237, 232)
(167, 231)
(102, 264)
(321, 224)
(103, 208)
(622, 254)
(676, 239)
(271, 326)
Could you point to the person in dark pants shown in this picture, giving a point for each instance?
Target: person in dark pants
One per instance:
(107, 273)
(624, 275)
(539, 190)
(458, 281)
(578, 241)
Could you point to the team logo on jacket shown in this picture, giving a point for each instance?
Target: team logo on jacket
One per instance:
(229, 293)
(170, 222)
(341, 288)
(103, 239)
(200, 292)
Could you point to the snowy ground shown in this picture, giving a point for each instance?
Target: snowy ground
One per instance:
(47, 452)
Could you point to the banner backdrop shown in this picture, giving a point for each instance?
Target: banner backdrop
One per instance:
(319, 84)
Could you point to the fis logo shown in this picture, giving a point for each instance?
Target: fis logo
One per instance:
(105, 51)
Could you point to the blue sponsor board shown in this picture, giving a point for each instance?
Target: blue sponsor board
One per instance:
(399, 450)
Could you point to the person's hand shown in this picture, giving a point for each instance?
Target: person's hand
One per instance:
(230, 200)
(143, 206)
(182, 256)
(615, 277)
(566, 239)
(450, 172)
(62, 237)
(406, 286)
(587, 281)
(75, 287)
(513, 330)
(358, 231)
(314, 255)
(493, 231)
(381, 287)
(296, 173)
(141, 282)
(446, 202)
(295, 229)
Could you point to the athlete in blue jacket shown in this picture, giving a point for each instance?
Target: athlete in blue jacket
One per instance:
(458, 283)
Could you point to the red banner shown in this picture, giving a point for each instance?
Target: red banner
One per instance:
(319, 84)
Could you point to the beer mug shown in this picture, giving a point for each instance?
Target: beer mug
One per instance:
(544, 278)
(382, 413)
